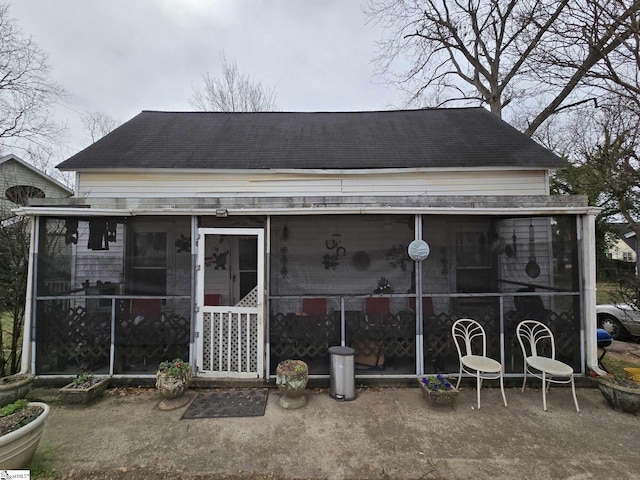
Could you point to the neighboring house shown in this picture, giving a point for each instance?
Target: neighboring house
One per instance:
(21, 182)
(236, 240)
(620, 250)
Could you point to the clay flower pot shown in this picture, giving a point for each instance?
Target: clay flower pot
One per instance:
(291, 380)
(173, 378)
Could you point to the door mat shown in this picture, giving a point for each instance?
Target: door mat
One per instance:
(228, 403)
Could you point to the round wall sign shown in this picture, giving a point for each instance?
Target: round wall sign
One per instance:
(418, 250)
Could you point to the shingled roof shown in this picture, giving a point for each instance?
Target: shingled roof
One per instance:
(432, 138)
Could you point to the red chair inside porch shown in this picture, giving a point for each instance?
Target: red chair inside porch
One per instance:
(314, 306)
(377, 309)
(212, 299)
(146, 307)
(427, 305)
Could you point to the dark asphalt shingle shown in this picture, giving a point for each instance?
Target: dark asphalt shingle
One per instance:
(433, 138)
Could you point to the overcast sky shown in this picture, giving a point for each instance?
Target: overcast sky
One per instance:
(120, 57)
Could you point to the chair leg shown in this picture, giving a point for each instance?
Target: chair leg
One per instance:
(459, 376)
(524, 380)
(504, 398)
(544, 391)
(573, 390)
(478, 387)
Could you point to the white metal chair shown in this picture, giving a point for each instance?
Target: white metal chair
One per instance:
(467, 334)
(533, 336)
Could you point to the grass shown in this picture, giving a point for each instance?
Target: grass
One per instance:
(615, 364)
(603, 292)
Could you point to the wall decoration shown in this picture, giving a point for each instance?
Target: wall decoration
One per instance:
(444, 261)
(217, 259)
(183, 244)
(418, 250)
(383, 286)
(331, 260)
(397, 257)
(532, 269)
(361, 260)
(283, 261)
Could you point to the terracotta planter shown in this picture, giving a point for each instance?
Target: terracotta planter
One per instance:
(73, 395)
(14, 387)
(291, 380)
(623, 399)
(17, 448)
(170, 386)
(439, 398)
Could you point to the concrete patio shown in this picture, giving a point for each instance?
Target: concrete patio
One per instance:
(386, 433)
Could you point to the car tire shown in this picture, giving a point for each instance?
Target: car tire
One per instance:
(612, 325)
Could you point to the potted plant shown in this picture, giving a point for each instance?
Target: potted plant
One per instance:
(84, 389)
(173, 378)
(14, 387)
(291, 380)
(621, 393)
(21, 425)
(437, 390)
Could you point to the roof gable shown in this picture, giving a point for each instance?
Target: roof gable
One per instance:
(432, 138)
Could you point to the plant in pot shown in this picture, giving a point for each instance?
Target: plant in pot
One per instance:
(291, 381)
(21, 425)
(14, 387)
(437, 390)
(84, 389)
(621, 393)
(173, 378)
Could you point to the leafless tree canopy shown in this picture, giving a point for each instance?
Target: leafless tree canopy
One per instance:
(98, 124)
(233, 91)
(543, 56)
(26, 90)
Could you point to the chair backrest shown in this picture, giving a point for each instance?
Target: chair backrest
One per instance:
(377, 305)
(466, 334)
(533, 336)
(314, 306)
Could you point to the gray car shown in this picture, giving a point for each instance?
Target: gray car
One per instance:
(620, 320)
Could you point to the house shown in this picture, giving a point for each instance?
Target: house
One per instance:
(21, 182)
(236, 240)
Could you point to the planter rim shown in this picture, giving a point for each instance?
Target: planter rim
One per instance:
(28, 377)
(618, 387)
(9, 437)
(69, 388)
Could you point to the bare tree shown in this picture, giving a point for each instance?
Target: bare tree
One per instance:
(27, 93)
(98, 124)
(493, 52)
(233, 91)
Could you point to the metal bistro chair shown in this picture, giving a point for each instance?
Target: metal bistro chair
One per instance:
(468, 333)
(533, 336)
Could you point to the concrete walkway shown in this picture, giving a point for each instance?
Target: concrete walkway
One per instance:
(386, 433)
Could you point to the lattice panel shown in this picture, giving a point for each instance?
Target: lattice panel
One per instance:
(230, 342)
(250, 299)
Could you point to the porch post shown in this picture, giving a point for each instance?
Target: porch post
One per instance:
(27, 351)
(589, 290)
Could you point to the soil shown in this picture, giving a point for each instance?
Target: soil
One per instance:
(19, 419)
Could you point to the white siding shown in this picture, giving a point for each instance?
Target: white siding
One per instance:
(203, 184)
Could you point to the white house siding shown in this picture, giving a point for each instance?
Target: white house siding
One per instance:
(254, 183)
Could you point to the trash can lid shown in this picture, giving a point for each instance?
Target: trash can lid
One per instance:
(341, 351)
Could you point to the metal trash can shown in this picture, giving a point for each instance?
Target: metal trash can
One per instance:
(343, 380)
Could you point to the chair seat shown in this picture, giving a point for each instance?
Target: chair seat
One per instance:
(482, 364)
(550, 366)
